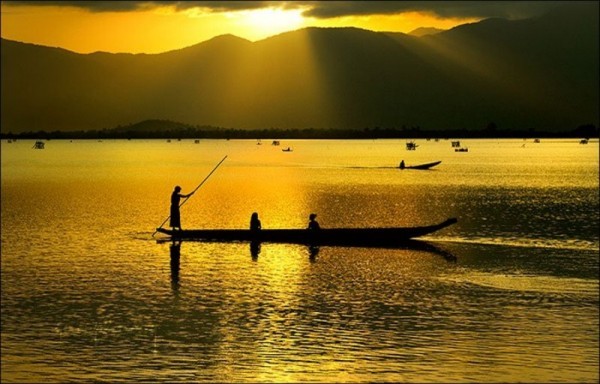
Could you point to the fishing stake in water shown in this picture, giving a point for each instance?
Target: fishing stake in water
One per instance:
(199, 185)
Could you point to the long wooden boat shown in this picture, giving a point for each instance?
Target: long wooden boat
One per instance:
(395, 236)
(421, 166)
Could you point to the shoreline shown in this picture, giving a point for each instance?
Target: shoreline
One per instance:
(276, 134)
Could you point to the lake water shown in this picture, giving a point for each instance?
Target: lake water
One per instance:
(89, 295)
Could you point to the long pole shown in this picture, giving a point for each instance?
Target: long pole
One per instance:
(199, 185)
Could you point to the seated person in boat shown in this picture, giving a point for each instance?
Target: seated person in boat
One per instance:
(402, 164)
(255, 222)
(313, 223)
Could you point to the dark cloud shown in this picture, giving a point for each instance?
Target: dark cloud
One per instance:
(122, 6)
(94, 6)
(459, 9)
(329, 9)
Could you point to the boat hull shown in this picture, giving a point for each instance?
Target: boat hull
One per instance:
(422, 166)
(324, 236)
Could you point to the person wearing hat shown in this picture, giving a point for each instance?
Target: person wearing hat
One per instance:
(313, 224)
(175, 197)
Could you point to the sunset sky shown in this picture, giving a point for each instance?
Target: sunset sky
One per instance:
(159, 26)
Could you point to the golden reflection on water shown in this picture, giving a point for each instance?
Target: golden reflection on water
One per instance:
(84, 283)
(274, 193)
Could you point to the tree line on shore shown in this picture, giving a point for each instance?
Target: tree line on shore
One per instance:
(173, 130)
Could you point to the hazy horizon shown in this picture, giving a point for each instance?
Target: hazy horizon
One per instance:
(221, 36)
(154, 27)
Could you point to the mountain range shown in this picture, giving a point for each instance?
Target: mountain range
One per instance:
(532, 74)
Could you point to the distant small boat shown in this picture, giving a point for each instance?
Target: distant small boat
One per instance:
(411, 146)
(420, 166)
(536, 140)
(584, 141)
(288, 149)
(275, 142)
(461, 149)
(39, 145)
(455, 144)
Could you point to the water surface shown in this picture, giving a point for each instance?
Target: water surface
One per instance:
(89, 294)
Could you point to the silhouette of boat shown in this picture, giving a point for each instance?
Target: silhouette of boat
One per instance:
(288, 149)
(421, 166)
(373, 237)
(411, 146)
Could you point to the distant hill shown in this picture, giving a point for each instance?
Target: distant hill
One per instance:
(424, 31)
(534, 74)
(150, 126)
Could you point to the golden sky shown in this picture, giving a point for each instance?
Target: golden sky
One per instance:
(153, 27)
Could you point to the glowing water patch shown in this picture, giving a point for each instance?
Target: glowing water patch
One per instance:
(516, 282)
(580, 245)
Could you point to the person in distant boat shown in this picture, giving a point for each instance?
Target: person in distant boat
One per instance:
(255, 222)
(175, 217)
(402, 166)
(312, 223)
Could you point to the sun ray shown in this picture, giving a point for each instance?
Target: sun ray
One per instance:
(261, 23)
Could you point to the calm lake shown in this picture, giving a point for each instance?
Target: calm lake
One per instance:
(508, 294)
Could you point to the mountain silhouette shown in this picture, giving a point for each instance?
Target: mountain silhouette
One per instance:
(532, 74)
(424, 31)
